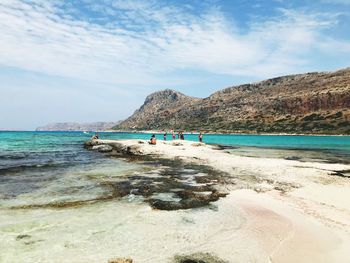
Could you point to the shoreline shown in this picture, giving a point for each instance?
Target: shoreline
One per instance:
(306, 200)
(213, 133)
(193, 132)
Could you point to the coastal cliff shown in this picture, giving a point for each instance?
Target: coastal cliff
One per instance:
(312, 103)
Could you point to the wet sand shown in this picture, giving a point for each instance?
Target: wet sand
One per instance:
(294, 211)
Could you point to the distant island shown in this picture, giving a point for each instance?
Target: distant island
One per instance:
(74, 126)
(5, 129)
(312, 103)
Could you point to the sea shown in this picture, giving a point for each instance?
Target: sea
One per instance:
(62, 203)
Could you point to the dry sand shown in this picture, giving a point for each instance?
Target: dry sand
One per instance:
(297, 211)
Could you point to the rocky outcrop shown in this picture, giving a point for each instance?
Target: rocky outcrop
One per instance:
(158, 108)
(315, 103)
(102, 148)
(108, 146)
(74, 126)
(188, 186)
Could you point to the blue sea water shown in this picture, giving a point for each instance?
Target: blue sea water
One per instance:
(20, 150)
(40, 170)
(37, 160)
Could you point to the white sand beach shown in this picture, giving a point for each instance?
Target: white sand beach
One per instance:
(296, 211)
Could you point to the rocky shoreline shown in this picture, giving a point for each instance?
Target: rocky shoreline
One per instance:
(298, 211)
(179, 186)
(259, 174)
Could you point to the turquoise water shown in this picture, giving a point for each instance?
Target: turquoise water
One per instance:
(20, 144)
(60, 202)
(28, 160)
(268, 141)
(44, 152)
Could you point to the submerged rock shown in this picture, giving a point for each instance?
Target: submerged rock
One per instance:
(198, 258)
(343, 173)
(189, 199)
(195, 184)
(292, 157)
(120, 260)
(19, 237)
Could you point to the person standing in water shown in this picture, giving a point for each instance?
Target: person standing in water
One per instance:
(173, 135)
(200, 137)
(164, 136)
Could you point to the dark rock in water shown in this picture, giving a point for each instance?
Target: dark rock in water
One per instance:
(198, 258)
(189, 199)
(19, 237)
(196, 182)
(120, 260)
(224, 147)
(102, 148)
(292, 158)
(343, 173)
(166, 205)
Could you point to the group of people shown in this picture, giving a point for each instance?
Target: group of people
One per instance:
(153, 139)
(180, 136)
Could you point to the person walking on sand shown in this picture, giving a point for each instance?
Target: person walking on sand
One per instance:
(173, 135)
(182, 136)
(200, 137)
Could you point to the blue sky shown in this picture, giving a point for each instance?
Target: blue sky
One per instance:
(97, 60)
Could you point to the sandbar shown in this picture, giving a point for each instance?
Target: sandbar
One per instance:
(297, 211)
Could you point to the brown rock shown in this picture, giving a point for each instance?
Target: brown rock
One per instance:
(303, 103)
(120, 260)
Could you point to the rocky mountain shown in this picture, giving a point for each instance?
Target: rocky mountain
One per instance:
(315, 103)
(74, 126)
(157, 110)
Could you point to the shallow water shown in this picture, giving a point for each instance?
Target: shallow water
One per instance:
(303, 155)
(62, 203)
(124, 228)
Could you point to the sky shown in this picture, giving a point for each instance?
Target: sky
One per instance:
(97, 60)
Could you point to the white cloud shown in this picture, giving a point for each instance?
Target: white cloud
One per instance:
(142, 41)
(345, 2)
